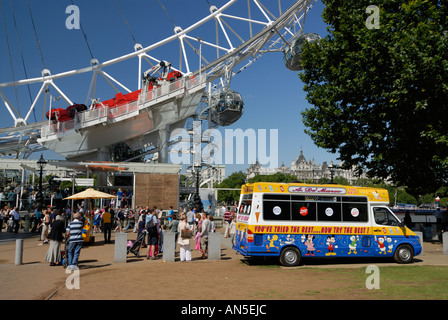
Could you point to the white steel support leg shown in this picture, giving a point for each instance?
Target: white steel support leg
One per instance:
(103, 156)
(91, 87)
(8, 106)
(139, 72)
(42, 89)
(163, 145)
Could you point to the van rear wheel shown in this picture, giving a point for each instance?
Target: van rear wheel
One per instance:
(290, 257)
(404, 254)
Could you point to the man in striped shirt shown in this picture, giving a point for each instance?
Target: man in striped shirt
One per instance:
(74, 232)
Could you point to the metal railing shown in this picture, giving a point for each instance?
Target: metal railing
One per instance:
(102, 114)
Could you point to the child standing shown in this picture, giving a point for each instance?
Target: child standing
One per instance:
(232, 228)
(198, 240)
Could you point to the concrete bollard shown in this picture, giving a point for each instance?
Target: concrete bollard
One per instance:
(445, 242)
(169, 246)
(121, 250)
(420, 236)
(19, 252)
(214, 246)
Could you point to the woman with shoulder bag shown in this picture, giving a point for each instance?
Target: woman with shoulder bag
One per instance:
(56, 237)
(184, 230)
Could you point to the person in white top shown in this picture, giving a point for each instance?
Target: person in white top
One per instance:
(184, 242)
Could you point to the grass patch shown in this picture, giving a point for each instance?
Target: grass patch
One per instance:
(414, 282)
(399, 282)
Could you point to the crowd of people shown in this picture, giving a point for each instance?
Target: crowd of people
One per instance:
(56, 225)
(25, 197)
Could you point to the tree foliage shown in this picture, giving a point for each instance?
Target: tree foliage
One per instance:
(233, 181)
(277, 177)
(380, 96)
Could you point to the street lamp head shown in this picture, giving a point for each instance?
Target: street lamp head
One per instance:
(331, 171)
(41, 162)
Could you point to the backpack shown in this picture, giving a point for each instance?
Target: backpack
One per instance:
(150, 224)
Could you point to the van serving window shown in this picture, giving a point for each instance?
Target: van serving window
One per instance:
(278, 209)
(354, 212)
(329, 211)
(304, 211)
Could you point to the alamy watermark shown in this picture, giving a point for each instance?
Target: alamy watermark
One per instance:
(73, 21)
(373, 281)
(373, 20)
(73, 280)
(230, 148)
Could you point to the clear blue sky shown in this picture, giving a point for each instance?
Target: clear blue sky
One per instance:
(272, 94)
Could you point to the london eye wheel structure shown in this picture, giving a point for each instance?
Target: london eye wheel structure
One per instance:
(195, 82)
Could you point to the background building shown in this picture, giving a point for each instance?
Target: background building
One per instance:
(305, 170)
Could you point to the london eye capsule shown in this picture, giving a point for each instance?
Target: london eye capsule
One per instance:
(293, 54)
(228, 109)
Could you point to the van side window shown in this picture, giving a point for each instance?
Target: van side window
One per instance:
(276, 207)
(384, 217)
(329, 211)
(354, 212)
(304, 211)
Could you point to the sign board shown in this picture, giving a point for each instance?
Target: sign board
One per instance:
(84, 182)
(79, 182)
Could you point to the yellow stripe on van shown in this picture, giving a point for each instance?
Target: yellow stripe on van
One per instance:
(331, 230)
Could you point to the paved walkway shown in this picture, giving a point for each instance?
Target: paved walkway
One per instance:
(35, 279)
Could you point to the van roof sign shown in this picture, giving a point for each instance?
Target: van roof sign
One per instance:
(317, 190)
(373, 194)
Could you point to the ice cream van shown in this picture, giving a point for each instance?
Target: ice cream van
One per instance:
(293, 220)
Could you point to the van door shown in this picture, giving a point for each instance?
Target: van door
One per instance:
(242, 236)
(385, 230)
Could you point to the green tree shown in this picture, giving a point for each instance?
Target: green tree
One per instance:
(341, 180)
(234, 181)
(380, 96)
(277, 177)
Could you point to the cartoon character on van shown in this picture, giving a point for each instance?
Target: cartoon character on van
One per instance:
(271, 242)
(390, 244)
(331, 246)
(309, 244)
(381, 245)
(242, 236)
(289, 240)
(353, 244)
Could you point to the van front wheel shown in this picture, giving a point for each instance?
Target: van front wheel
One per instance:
(404, 254)
(290, 257)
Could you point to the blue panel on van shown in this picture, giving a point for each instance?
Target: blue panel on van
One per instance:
(366, 241)
(258, 239)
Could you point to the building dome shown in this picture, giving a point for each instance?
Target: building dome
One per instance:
(301, 158)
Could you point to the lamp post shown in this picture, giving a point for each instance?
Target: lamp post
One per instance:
(331, 171)
(40, 196)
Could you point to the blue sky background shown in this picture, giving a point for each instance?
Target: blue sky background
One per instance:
(272, 94)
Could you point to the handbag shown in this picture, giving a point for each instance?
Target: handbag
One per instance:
(185, 233)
